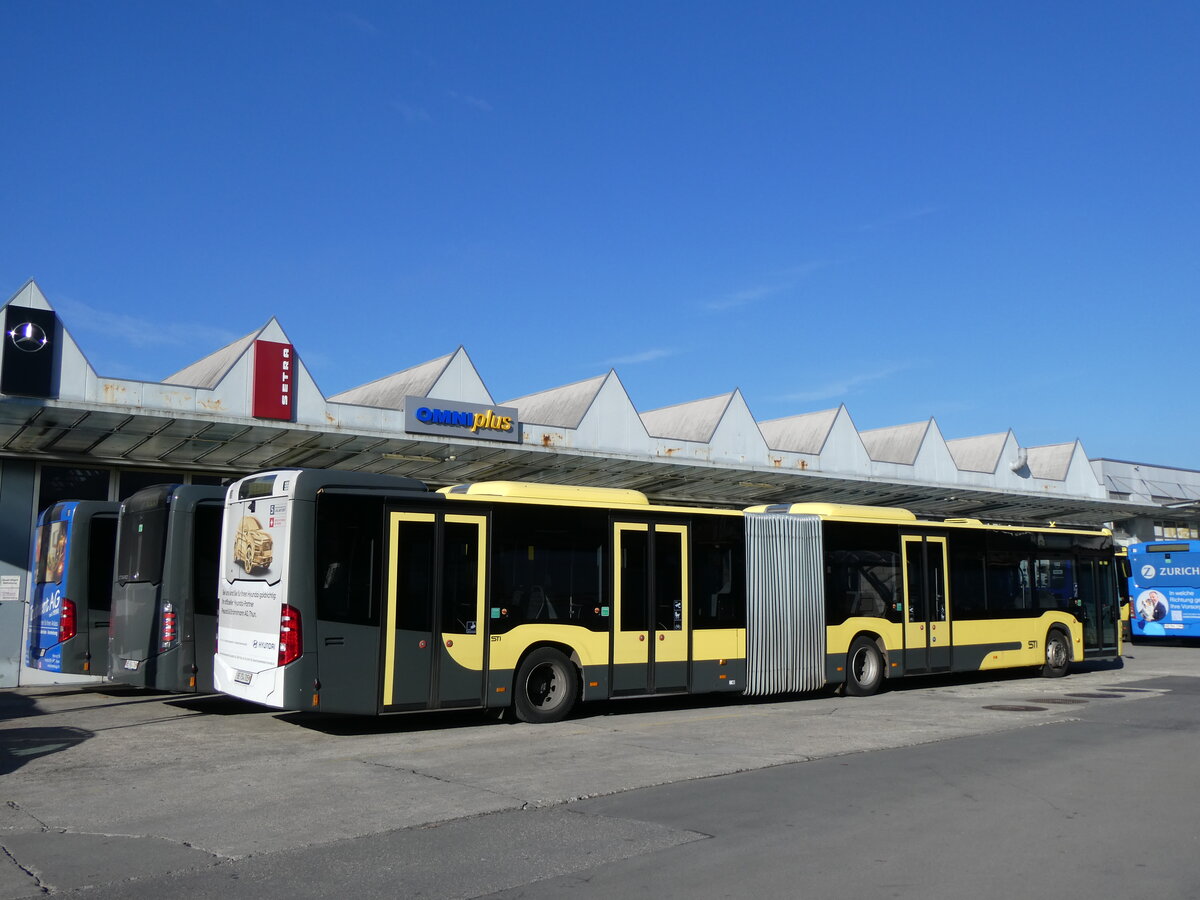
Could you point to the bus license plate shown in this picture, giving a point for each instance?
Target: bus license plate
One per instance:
(131, 663)
(243, 677)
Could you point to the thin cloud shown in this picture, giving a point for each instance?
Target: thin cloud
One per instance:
(781, 283)
(137, 332)
(744, 297)
(359, 23)
(468, 100)
(836, 390)
(645, 356)
(413, 115)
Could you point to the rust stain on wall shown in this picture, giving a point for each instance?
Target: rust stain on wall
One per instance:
(114, 393)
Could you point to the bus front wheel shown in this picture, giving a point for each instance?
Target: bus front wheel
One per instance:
(864, 668)
(1058, 655)
(546, 687)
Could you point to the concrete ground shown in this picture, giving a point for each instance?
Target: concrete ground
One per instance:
(111, 789)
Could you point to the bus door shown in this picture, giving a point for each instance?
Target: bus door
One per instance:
(1097, 597)
(650, 608)
(927, 638)
(434, 615)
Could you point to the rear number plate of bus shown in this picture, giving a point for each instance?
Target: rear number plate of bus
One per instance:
(131, 663)
(243, 677)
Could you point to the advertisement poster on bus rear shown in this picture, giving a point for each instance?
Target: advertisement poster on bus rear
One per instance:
(253, 589)
(1160, 611)
(50, 572)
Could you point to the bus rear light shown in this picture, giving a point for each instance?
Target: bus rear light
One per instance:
(67, 628)
(290, 639)
(170, 627)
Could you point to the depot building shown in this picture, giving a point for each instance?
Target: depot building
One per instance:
(70, 433)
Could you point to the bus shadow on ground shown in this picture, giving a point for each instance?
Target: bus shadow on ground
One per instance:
(401, 723)
(425, 720)
(218, 705)
(17, 706)
(997, 676)
(1141, 641)
(21, 745)
(393, 723)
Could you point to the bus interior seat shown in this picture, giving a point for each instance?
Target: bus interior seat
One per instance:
(867, 605)
(539, 607)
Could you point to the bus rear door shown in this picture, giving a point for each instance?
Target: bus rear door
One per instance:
(927, 634)
(434, 617)
(650, 608)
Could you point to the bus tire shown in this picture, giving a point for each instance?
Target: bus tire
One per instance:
(864, 668)
(546, 686)
(1058, 655)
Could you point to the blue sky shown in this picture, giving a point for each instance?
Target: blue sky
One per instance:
(984, 212)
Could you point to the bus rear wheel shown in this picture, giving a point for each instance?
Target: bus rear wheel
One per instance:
(546, 687)
(1058, 655)
(864, 668)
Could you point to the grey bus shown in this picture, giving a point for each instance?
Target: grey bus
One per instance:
(164, 609)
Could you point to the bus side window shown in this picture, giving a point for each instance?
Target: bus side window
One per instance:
(460, 592)
(718, 574)
(1008, 587)
(968, 588)
(346, 559)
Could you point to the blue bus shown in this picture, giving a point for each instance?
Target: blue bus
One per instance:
(72, 587)
(1164, 589)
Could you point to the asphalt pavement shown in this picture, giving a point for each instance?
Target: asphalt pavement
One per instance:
(122, 793)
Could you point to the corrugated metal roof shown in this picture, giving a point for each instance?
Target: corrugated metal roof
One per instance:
(694, 421)
(897, 444)
(562, 407)
(805, 433)
(1052, 461)
(978, 454)
(389, 392)
(208, 372)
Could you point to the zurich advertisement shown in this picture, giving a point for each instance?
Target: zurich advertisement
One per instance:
(1165, 593)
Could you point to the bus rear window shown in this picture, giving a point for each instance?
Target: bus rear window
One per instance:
(52, 552)
(257, 487)
(142, 544)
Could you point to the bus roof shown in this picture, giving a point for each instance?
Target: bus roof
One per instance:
(554, 493)
(846, 512)
(839, 511)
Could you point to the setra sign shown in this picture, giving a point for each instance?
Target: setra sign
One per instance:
(273, 380)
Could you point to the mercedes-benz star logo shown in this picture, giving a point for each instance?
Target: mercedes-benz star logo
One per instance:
(28, 337)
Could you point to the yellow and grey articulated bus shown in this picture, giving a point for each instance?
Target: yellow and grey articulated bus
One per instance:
(354, 593)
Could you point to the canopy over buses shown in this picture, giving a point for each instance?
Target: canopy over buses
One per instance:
(379, 596)
(71, 433)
